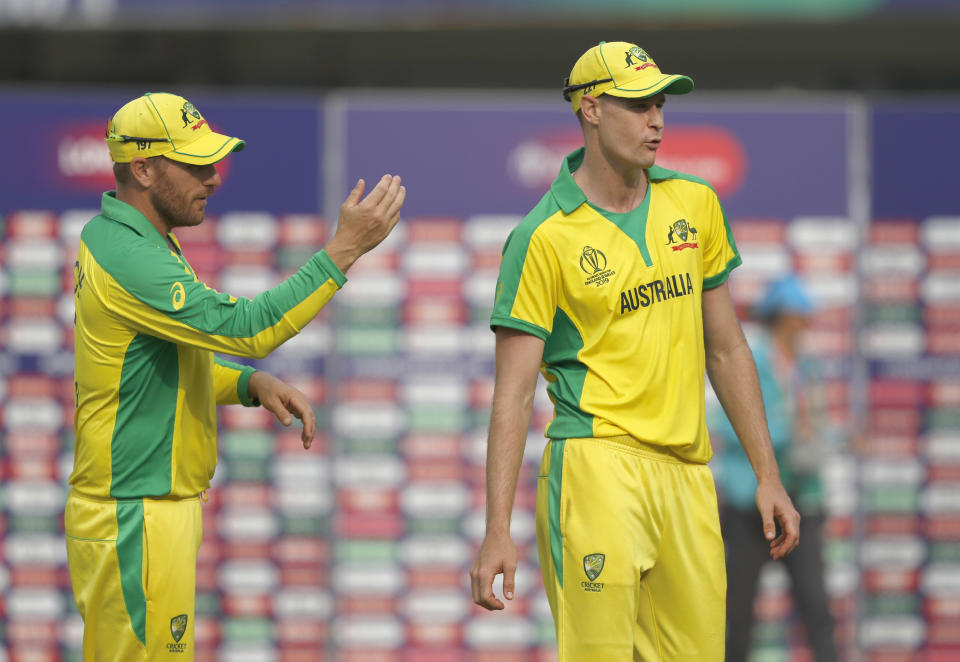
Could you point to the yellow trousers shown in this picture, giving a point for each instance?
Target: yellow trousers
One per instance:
(133, 566)
(631, 553)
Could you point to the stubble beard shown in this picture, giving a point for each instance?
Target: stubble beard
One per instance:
(172, 207)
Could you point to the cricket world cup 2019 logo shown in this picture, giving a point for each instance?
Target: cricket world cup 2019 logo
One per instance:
(594, 264)
(593, 566)
(592, 261)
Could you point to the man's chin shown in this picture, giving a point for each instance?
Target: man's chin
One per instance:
(191, 222)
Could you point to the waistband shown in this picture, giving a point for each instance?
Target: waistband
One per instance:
(629, 444)
(76, 494)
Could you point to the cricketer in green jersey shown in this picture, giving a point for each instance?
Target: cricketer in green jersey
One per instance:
(147, 382)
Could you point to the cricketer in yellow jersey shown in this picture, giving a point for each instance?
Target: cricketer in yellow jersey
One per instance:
(147, 382)
(614, 286)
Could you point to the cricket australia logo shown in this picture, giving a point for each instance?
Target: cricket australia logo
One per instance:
(682, 230)
(593, 566)
(189, 111)
(178, 626)
(641, 57)
(594, 264)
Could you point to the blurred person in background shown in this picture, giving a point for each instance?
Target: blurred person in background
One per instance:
(797, 417)
(615, 287)
(147, 382)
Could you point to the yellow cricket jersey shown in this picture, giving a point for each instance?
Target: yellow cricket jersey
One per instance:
(146, 379)
(617, 300)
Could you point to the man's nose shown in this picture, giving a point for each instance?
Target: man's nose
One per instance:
(213, 178)
(656, 119)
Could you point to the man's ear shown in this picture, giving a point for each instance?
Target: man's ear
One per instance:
(590, 109)
(143, 171)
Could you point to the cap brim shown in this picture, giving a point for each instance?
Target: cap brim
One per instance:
(207, 149)
(669, 84)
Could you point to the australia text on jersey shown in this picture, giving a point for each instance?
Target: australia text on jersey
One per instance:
(641, 296)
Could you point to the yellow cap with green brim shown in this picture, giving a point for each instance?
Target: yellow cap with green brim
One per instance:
(620, 69)
(164, 124)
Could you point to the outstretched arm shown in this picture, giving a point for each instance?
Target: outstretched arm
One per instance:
(155, 292)
(733, 375)
(518, 357)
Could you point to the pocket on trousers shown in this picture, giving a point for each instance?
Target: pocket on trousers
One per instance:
(93, 521)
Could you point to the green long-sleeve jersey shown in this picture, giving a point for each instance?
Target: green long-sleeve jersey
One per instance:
(146, 379)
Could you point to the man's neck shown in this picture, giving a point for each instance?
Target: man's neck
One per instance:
(142, 204)
(608, 186)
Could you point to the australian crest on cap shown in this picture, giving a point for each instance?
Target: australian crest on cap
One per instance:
(636, 52)
(187, 111)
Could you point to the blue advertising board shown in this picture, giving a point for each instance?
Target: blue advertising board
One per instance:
(915, 147)
(764, 160)
(54, 155)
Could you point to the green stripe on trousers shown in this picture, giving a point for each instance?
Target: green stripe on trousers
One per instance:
(130, 557)
(553, 505)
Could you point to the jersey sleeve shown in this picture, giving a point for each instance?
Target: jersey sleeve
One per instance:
(720, 254)
(155, 292)
(527, 287)
(231, 383)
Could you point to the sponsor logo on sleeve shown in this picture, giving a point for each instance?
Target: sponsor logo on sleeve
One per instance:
(179, 295)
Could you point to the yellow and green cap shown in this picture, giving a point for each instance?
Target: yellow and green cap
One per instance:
(620, 69)
(164, 124)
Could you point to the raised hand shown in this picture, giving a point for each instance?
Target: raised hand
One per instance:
(365, 222)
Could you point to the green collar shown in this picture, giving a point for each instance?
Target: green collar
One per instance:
(569, 196)
(128, 215)
(565, 191)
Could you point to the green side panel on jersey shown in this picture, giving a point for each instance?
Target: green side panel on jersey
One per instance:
(554, 485)
(733, 263)
(130, 560)
(566, 390)
(142, 442)
(720, 278)
(514, 257)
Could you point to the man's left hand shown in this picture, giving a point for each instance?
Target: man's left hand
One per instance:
(285, 402)
(775, 507)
